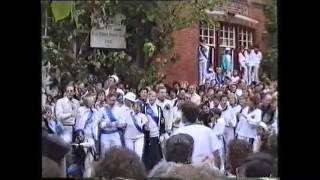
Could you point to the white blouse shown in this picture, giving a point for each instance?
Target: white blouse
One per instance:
(249, 122)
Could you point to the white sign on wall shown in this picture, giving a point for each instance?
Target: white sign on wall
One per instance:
(113, 36)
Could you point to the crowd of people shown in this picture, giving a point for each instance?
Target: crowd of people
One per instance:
(225, 127)
(249, 61)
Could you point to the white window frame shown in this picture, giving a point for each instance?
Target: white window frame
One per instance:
(245, 38)
(207, 28)
(226, 40)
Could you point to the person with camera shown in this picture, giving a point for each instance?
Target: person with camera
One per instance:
(66, 111)
(111, 123)
(81, 157)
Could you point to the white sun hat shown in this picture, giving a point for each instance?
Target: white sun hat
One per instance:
(131, 97)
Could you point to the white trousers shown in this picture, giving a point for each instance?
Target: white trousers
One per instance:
(67, 134)
(250, 74)
(256, 73)
(228, 135)
(202, 71)
(222, 155)
(136, 145)
(109, 140)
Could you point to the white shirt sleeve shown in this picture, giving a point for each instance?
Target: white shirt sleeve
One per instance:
(255, 119)
(219, 127)
(214, 142)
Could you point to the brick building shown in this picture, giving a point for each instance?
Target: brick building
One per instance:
(240, 23)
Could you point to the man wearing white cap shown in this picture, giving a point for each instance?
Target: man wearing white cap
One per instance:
(227, 63)
(136, 122)
(114, 79)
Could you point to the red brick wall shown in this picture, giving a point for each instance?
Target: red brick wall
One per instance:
(257, 12)
(186, 42)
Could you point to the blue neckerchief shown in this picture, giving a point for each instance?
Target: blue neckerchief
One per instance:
(89, 120)
(150, 112)
(110, 115)
(135, 123)
(56, 127)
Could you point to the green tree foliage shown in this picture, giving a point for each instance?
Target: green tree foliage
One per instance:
(149, 25)
(270, 65)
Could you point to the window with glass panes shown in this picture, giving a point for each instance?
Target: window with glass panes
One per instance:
(228, 36)
(245, 38)
(207, 34)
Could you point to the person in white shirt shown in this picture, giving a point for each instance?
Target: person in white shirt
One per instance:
(66, 111)
(210, 76)
(167, 109)
(136, 122)
(111, 123)
(230, 120)
(247, 57)
(156, 126)
(252, 63)
(206, 143)
(258, 59)
(195, 98)
(216, 102)
(235, 76)
(203, 60)
(249, 120)
(218, 128)
(243, 63)
(86, 120)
